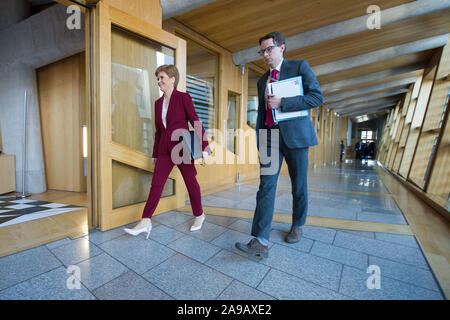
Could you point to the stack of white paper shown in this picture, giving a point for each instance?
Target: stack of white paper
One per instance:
(287, 88)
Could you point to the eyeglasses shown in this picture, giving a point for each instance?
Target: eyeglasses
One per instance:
(267, 50)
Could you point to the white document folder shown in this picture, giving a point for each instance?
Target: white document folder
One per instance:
(287, 88)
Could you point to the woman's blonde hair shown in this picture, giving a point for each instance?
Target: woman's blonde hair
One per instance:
(171, 71)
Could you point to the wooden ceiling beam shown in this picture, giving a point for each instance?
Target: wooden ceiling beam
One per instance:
(367, 111)
(343, 84)
(380, 55)
(348, 27)
(366, 98)
(370, 89)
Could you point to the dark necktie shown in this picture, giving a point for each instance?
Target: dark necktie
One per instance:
(269, 116)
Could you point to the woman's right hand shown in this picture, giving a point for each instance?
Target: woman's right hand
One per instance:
(154, 160)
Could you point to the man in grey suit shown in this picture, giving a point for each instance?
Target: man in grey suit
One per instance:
(295, 136)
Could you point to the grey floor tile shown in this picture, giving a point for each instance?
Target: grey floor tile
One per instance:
(171, 218)
(130, 286)
(381, 218)
(99, 270)
(24, 265)
(366, 234)
(76, 251)
(282, 226)
(242, 226)
(245, 205)
(213, 201)
(137, 253)
(184, 278)
(239, 291)
(287, 287)
(386, 211)
(317, 210)
(278, 236)
(194, 248)
(319, 233)
(208, 232)
(98, 237)
(341, 255)
(382, 249)
(369, 203)
(414, 276)
(238, 267)
(311, 268)
(48, 286)
(354, 284)
(236, 194)
(57, 243)
(406, 240)
(220, 220)
(165, 235)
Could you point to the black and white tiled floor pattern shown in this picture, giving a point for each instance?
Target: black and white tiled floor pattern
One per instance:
(14, 211)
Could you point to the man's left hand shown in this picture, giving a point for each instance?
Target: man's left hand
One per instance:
(273, 101)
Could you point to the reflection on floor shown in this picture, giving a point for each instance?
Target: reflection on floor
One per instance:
(327, 263)
(350, 193)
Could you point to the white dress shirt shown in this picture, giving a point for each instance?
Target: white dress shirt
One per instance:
(164, 111)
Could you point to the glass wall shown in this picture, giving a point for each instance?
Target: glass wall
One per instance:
(202, 75)
(134, 90)
(232, 120)
(252, 97)
(131, 185)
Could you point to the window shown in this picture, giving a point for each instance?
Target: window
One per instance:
(366, 135)
(252, 98)
(134, 88)
(232, 120)
(202, 83)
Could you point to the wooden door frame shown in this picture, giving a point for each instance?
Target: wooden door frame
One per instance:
(105, 149)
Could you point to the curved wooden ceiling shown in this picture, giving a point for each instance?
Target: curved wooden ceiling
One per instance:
(237, 25)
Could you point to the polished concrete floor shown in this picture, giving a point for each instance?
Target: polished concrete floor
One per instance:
(175, 263)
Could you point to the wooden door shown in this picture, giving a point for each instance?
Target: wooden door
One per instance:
(128, 50)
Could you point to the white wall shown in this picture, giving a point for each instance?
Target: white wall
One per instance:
(27, 44)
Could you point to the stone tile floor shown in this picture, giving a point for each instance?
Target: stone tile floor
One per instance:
(175, 263)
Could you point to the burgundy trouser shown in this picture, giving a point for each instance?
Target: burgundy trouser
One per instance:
(162, 170)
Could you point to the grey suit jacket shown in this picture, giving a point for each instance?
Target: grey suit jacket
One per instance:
(298, 132)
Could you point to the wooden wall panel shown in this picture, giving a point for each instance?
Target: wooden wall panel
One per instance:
(404, 136)
(422, 158)
(439, 184)
(409, 153)
(7, 173)
(62, 110)
(393, 155)
(436, 105)
(398, 159)
(399, 130)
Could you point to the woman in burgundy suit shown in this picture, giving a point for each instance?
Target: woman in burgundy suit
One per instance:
(172, 111)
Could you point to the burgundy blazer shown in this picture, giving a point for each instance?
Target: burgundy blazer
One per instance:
(180, 111)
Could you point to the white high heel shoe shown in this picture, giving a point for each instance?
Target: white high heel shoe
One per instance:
(145, 225)
(198, 222)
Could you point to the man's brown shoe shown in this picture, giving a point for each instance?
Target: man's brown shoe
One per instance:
(294, 235)
(254, 247)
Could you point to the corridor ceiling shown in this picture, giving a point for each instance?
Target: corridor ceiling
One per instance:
(362, 71)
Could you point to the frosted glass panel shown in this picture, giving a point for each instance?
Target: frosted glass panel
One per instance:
(131, 185)
(134, 88)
